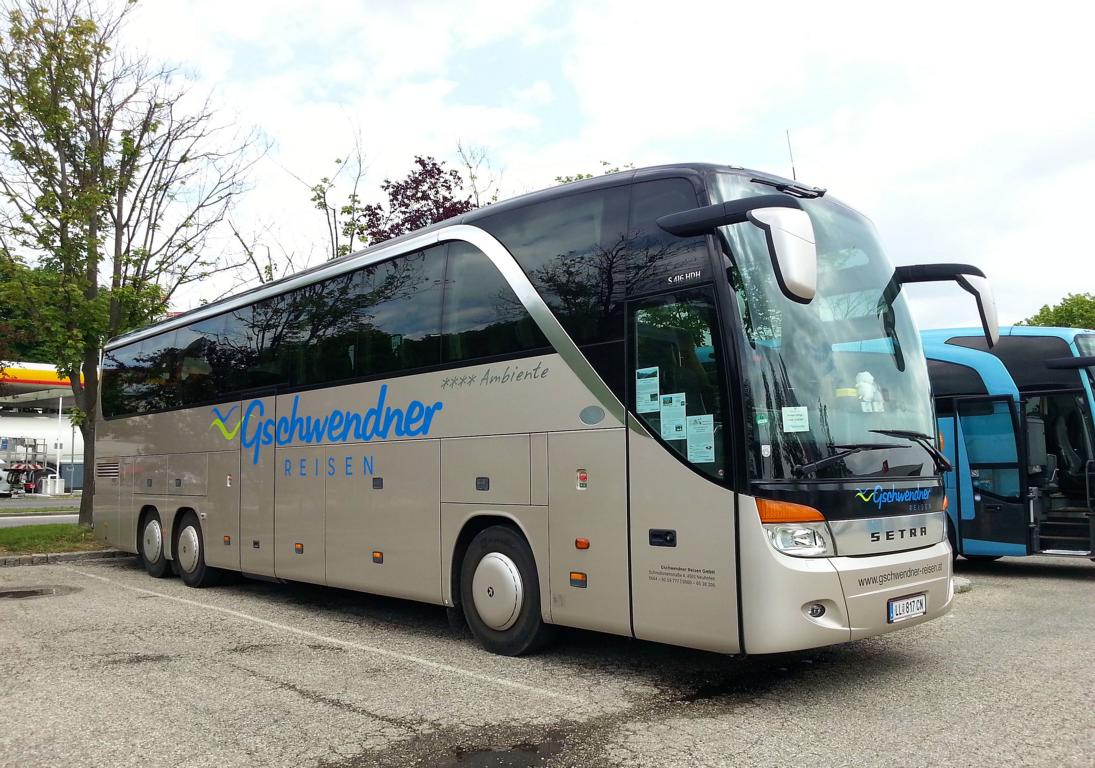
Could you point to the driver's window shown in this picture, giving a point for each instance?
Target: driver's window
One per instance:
(677, 380)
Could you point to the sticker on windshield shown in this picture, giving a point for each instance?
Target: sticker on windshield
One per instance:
(701, 439)
(796, 418)
(672, 417)
(647, 392)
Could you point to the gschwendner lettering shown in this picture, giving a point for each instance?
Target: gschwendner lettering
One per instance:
(378, 422)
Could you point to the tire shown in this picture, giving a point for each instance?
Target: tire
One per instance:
(150, 546)
(982, 558)
(190, 555)
(499, 571)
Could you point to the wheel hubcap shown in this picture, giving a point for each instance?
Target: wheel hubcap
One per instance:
(497, 591)
(152, 540)
(189, 546)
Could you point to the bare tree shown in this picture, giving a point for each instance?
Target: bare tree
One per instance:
(483, 179)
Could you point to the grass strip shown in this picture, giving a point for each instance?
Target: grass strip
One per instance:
(51, 537)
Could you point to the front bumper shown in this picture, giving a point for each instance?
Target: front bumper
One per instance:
(778, 591)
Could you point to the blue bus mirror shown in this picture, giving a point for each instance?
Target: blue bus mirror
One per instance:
(1070, 363)
(787, 229)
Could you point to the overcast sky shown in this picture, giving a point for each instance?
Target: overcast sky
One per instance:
(966, 131)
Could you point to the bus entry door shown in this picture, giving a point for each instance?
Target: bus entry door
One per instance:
(988, 429)
(683, 574)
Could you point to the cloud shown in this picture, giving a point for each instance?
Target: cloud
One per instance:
(963, 130)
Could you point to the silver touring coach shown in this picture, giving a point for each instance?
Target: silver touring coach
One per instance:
(686, 404)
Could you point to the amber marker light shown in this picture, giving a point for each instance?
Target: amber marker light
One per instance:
(785, 512)
(581, 543)
(946, 503)
(578, 579)
(227, 540)
(378, 557)
(299, 548)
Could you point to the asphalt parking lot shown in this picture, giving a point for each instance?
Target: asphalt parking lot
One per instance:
(117, 668)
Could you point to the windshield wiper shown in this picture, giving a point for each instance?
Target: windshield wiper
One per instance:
(792, 188)
(942, 464)
(801, 470)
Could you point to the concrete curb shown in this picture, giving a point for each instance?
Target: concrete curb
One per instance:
(59, 557)
(962, 584)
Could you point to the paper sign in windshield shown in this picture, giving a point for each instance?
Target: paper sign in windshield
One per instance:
(796, 418)
(672, 417)
(647, 393)
(701, 439)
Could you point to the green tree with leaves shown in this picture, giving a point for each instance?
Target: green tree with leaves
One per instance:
(113, 183)
(1076, 310)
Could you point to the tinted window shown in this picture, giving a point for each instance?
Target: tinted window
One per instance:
(398, 313)
(950, 379)
(193, 370)
(655, 256)
(153, 387)
(574, 250)
(119, 370)
(228, 349)
(1025, 356)
(318, 343)
(483, 316)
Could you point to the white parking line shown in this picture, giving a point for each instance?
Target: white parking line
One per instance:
(436, 665)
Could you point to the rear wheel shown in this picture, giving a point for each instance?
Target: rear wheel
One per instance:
(500, 593)
(150, 546)
(190, 555)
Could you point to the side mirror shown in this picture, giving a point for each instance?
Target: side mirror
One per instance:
(787, 230)
(1070, 363)
(969, 278)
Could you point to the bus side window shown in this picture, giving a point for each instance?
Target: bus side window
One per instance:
(482, 315)
(677, 385)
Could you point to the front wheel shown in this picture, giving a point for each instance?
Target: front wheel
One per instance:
(500, 593)
(190, 555)
(150, 546)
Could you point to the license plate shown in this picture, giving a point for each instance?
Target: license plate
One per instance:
(901, 608)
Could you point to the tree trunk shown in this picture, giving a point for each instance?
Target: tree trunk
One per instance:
(87, 400)
(87, 497)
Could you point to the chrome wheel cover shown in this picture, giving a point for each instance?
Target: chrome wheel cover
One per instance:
(152, 540)
(497, 591)
(189, 549)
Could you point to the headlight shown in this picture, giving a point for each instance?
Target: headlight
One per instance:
(801, 539)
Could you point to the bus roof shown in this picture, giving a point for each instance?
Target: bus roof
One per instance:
(388, 248)
(989, 368)
(1068, 334)
(1020, 361)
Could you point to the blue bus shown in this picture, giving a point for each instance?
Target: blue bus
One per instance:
(1015, 421)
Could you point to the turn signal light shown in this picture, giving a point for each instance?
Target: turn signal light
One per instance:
(378, 557)
(946, 503)
(578, 579)
(298, 548)
(581, 543)
(786, 512)
(227, 540)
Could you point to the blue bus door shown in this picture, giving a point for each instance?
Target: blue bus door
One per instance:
(993, 515)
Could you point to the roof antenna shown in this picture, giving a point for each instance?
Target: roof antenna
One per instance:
(794, 176)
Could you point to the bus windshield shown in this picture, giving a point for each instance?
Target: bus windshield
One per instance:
(822, 378)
